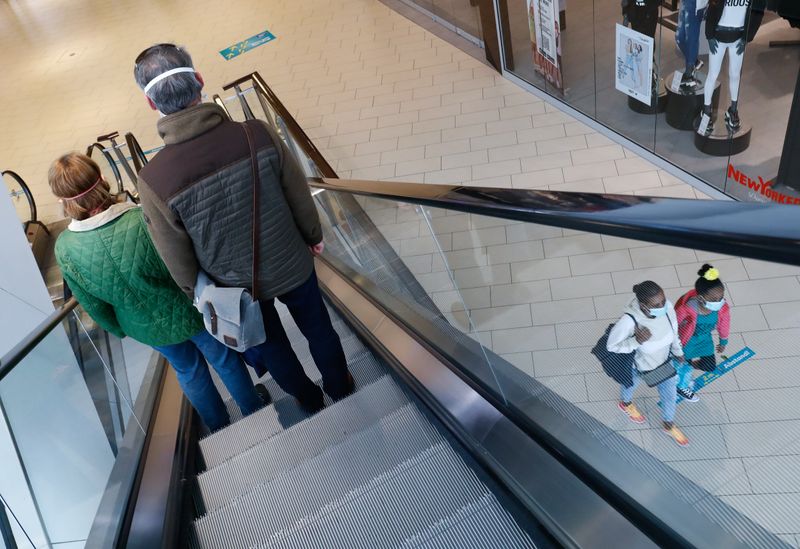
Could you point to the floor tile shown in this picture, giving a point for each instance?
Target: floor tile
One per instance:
(582, 286)
(521, 293)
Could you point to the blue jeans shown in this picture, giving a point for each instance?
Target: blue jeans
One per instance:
(666, 390)
(189, 361)
(276, 354)
(688, 35)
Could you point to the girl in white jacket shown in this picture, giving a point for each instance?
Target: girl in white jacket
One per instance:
(653, 337)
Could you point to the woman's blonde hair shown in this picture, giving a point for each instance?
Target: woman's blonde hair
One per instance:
(76, 180)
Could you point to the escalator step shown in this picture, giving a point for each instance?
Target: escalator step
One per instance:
(354, 352)
(262, 463)
(272, 419)
(399, 505)
(483, 524)
(317, 482)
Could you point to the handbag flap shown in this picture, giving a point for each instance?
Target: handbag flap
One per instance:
(227, 302)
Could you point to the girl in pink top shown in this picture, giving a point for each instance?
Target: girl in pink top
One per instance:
(700, 312)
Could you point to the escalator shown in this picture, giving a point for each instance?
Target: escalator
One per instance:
(480, 418)
(280, 479)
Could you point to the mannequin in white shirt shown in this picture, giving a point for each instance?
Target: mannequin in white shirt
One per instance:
(726, 33)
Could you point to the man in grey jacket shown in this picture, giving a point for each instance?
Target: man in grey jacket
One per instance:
(197, 195)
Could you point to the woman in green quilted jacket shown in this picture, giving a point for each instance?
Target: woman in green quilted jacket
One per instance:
(113, 269)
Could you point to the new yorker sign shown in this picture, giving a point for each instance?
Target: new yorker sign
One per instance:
(761, 187)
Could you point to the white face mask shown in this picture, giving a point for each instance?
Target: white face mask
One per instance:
(714, 305)
(659, 311)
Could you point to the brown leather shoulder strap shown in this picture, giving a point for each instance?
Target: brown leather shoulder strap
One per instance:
(256, 194)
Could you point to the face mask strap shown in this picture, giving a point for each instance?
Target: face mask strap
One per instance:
(84, 193)
(164, 75)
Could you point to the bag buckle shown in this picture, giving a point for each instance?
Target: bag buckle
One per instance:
(213, 314)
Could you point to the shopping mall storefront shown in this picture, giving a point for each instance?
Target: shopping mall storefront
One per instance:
(705, 85)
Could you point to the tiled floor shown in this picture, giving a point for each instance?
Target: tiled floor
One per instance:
(542, 296)
(381, 97)
(385, 99)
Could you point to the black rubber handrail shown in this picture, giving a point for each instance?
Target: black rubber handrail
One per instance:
(221, 104)
(17, 353)
(137, 154)
(26, 190)
(111, 162)
(766, 231)
(770, 232)
(300, 136)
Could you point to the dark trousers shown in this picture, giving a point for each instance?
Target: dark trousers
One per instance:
(704, 363)
(276, 354)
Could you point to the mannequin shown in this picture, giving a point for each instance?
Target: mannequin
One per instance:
(691, 15)
(642, 15)
(729, 26)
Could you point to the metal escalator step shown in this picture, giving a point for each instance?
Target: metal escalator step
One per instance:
(315, 483)
(355, 353)
(481, 524)
(281, 414)
(284, 451)
(433, 486)
(352, 346)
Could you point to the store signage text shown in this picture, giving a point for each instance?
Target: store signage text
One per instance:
(760, 186)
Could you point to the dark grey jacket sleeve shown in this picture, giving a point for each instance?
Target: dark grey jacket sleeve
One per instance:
(295, 188)
(170, 238)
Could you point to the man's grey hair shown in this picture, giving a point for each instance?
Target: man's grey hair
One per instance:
(176, 92)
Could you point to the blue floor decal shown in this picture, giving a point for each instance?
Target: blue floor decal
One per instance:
(722, 368)
(253, 42)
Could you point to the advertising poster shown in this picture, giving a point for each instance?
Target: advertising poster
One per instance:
(634, 64)
(545, 31)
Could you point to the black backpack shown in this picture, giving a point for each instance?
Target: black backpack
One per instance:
(617, 366)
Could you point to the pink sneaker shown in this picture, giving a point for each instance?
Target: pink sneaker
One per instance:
(632, 412)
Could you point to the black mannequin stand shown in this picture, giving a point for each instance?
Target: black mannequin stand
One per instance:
(684, 107)
(722, 142)
(658, 103)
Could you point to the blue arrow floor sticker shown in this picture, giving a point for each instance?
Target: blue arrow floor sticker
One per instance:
(246, 45)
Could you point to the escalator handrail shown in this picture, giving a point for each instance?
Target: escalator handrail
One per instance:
(111, 162)
(137, 154)
(765, 231)
(769, 232)
(300, 136)
(26, 190)
(12, 358)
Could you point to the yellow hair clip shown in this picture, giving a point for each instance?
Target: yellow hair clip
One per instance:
(711, 274)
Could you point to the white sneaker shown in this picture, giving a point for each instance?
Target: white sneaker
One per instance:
(688, 395)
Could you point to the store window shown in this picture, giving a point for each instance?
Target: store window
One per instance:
(708, 85)
(461, 16)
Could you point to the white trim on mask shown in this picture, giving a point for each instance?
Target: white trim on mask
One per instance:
(164, 75)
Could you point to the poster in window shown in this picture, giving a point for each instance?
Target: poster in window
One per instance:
(634, 64)
(545, 31)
